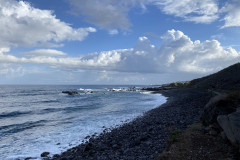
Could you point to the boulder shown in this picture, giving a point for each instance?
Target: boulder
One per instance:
(231, 126)
(219, 105)
(70, 92)
(45, 154)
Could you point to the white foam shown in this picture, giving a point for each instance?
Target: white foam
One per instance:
(82, 89)
(146, 92)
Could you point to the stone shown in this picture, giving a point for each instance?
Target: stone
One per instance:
(70, 92)
(231, 126)
(88, 147)
(213, 132)
(218, 105)
(45, 154)
(206, 129)
(56, 156)
(223, 135)
(115, 146)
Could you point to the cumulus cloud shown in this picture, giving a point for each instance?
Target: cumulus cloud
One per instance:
(176, 54)
(195, 56)
(232, 17)
(204, 11)
(24, 25)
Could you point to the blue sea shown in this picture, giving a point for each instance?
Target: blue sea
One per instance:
(35, 119)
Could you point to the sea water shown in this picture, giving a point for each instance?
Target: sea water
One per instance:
(35, 119)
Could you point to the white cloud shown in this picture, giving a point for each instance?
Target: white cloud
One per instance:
(219, 36)
(197, 57)
(113, 14)
(11, 71)
(204, 11)
(44, 52)
(113, 32)
(91, 61)
(176, 54)
(24, 25)
(3, 50)
(232, 17)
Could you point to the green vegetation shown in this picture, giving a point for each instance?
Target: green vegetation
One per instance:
(178, 84)
(231, 100)
(174, 136)
(195, 126)
(234, 96)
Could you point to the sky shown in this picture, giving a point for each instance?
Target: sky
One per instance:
(116, 41)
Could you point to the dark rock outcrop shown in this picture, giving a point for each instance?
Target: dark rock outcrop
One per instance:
(222, 113)
(45, 154)
(220, 105)
(70, 92)
(231, 126)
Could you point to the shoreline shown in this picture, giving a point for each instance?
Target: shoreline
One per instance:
(145, 137)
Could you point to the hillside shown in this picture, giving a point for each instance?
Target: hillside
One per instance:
(226, 79)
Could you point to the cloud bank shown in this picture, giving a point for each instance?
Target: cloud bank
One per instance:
(176, 54)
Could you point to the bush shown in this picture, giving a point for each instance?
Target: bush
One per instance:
(174, 136)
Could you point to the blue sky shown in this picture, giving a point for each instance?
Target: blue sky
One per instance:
(116, 41)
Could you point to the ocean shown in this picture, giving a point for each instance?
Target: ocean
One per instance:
(35, 119)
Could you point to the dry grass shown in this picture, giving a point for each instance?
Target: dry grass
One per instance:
(194, 144)
(231, 100)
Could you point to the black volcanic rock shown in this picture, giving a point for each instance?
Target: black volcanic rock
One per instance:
(70, 92)
(220, 105)
(45, 154)
(231, 126)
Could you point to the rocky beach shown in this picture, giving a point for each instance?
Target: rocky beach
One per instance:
(146, 136)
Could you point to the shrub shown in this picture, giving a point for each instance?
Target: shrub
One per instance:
(174, 136)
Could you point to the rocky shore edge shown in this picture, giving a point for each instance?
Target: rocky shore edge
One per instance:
(145, 137)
